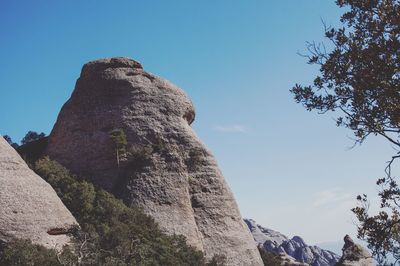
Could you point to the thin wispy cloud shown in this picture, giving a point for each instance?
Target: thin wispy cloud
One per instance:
(332, 196)
(231, 128)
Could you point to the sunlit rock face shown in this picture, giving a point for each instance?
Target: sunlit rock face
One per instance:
(29, 207)
(164, 168)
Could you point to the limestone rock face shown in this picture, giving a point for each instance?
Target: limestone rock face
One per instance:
(355, 255)
(164, 168)
(29, 207)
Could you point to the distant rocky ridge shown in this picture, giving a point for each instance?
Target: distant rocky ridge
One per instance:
(296, 248)
(29, 206)
(162, 166)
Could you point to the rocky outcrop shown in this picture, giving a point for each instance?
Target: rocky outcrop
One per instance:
(29, 207)
(355, 255)
(290, 261)
(162, 167)
(296, 248)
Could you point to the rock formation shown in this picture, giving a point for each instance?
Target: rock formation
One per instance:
(29, 207)
(290, 261)
(162, 167)
(355, 255)
(296, 248)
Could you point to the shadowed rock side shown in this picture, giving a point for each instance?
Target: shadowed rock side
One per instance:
(164, 168)
(29, 207)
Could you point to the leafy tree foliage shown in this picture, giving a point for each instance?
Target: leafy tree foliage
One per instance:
(114, 234)
(9, 140)
(119, 138)
(21, 252)
(32, 136)
(33, 151)
(360, 78)
(24, 253)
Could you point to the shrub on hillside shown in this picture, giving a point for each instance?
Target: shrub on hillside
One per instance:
(24, 253)
(33, 150)
(112, 233)
(32, 136)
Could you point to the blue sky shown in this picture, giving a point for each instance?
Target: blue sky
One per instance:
(289, 169)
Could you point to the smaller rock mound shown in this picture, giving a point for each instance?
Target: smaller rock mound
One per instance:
(355, 255)
(29, 206)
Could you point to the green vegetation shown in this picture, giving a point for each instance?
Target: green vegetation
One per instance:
(112, 233)
(139, 155)
(360, 78)
(135, 156)
(32, 136)
(115, 234)
(24, 253)
(119, 138)
(10, 141)
(32, 151)
(32, 148)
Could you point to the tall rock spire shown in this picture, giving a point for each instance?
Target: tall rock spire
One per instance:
(163, 167)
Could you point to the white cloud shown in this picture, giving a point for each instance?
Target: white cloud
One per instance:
(330, 196)
(231, 128)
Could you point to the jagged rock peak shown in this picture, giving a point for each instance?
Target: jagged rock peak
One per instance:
(299, 240)
(355, 255)
(262, 234)
(294, 248)
(29, 207)
(163, 167)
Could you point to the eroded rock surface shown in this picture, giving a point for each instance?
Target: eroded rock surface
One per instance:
(164, 167)
(29, 207)
(355, 255)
